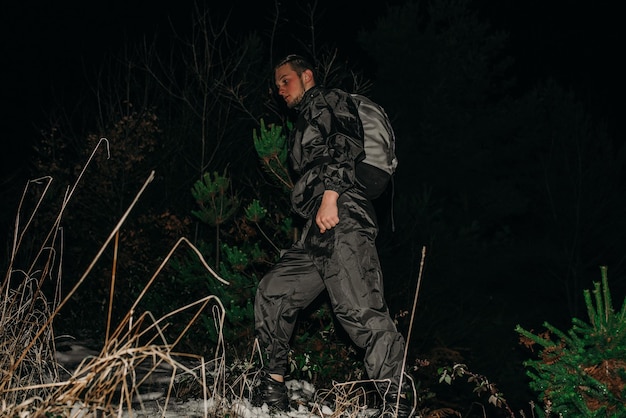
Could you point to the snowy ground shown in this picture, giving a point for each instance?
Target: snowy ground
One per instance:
(301, 394)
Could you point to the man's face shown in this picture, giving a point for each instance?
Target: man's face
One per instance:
(291, 87)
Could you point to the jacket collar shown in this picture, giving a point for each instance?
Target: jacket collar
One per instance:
(308, 96)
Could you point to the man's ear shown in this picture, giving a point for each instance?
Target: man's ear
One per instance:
(307, 76)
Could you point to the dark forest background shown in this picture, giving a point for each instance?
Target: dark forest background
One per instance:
(513, 181)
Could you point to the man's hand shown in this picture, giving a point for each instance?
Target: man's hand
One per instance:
(328, 214)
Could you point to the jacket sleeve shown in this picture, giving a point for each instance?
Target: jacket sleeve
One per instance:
(332, 144)
(344, 137)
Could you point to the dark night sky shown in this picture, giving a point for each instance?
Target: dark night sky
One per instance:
(579, 43)
(45, 48)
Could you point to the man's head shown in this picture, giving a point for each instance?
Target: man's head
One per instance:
(293, 76)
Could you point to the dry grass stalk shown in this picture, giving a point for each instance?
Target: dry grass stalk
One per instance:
(24, 302)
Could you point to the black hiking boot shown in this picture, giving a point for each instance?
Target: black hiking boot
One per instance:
(405, 408)
(270, 392)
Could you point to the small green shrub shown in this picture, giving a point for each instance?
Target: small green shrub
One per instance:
(583, 372)
(271, 146)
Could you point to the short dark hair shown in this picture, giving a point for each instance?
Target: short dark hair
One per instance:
(297, 62)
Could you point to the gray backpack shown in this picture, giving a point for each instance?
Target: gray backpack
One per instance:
(376, 171)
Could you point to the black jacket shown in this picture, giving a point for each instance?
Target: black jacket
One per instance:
(325, 145)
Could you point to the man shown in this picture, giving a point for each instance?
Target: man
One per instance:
(336, 251)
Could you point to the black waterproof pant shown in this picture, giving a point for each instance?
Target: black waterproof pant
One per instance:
(344, 261)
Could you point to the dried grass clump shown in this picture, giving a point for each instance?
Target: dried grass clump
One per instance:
(116, 381)
(348, 399)
(26, 355)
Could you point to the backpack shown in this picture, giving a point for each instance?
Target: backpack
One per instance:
(375, 172)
